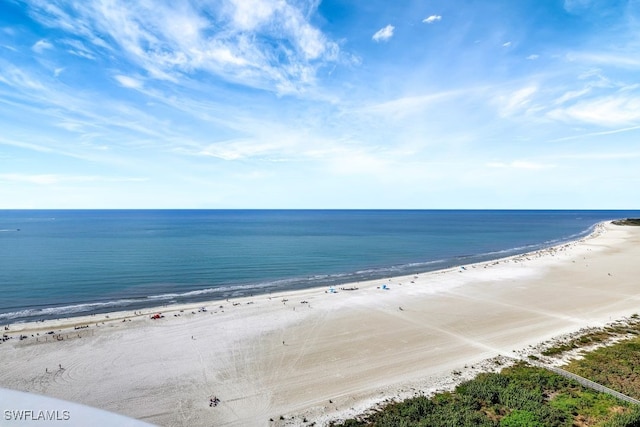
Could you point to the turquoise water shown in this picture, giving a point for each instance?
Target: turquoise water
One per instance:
(57, 263)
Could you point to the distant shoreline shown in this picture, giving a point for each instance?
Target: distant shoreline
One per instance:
(627, 221)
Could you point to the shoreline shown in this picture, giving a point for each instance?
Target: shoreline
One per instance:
(209, 296)
(322, 356)
(593, 231)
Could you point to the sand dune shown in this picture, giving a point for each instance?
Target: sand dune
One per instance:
(318, 355)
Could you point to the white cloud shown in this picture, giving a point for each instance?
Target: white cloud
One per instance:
(431, 19)
(26, 145)
(250, 14)
(79, 49)
(630, 60)
(410, 105)
(41, 45)
(384, 34)
(516, 101)
(533, 57)
(603, 133)
(267, 44)
(614, 110)
(19, 78)
(571, 95)
(507, 44)
(128, 82)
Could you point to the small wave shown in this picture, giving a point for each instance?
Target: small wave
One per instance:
(163, 296)
(67, 310)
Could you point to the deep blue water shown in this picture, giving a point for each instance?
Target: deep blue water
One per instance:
(56, 263)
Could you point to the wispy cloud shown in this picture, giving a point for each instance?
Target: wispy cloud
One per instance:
(603, 133)
(609, 111)
(128, 82)
(383, 34)
(26, 145)
(517, 101)
(266, 44)
(77, 48)
(41, 45)
(11, 48)
(431, 19)
(571, 95)
(624, 60)
(411, 105)
(18, 78)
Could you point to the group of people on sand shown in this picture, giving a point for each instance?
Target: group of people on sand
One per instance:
(214, 401)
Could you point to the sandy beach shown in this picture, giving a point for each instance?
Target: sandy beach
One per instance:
(316, 355)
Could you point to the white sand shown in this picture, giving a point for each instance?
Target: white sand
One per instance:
(342, 352)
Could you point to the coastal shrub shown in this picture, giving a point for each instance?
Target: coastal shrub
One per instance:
(559, 349)
(351, 423)
(616, 367)
(566, 403)
(520, 418)
(418, 408)
(552, 417)
(485, 387)
(627, 221)
(520, 395)
(628, 419)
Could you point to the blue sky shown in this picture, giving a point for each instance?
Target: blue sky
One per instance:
(320, 104)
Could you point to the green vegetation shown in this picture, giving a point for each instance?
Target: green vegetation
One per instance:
(628, 221)
(519, 396)
(616, 367)
(627, 327)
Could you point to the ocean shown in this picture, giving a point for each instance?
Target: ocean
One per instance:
(61, 263)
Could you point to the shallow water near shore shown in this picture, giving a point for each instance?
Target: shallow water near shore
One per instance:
(57, 263)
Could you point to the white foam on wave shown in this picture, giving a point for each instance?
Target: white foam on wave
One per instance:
(66, 310)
